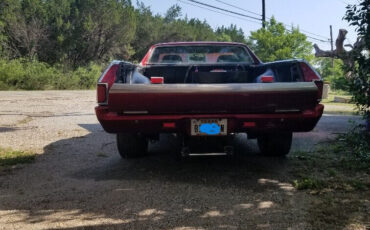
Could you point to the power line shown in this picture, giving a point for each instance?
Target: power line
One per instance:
(263, 14)
(305, 31)
(243, 15)
(218, 12)
(229, 11)
(308, 32)
(232, 12)
(316, 39)
(237, 7)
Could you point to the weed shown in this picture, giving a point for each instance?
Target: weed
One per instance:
(25, 120)
(308, 183)
(332, 172)
(10, 157)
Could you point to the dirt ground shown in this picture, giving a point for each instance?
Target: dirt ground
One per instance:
(79, 181)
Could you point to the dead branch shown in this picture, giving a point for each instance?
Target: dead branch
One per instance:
(340, 52)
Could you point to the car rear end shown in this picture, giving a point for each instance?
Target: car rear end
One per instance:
(206, 100)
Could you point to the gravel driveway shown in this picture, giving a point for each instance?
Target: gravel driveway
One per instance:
(80, 181)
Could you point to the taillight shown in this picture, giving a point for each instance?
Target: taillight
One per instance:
(309, 74)
(267, 79)
(169, 125)
(249, 124)
(156, 80)
(105, 82)
(102, 92)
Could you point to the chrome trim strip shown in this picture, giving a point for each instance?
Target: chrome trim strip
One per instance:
(212, 88)
(287, 110)
(135, 112)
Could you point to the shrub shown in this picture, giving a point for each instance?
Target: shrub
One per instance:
(338, 82)
(358, 15)
(87, 76)
(34, 75)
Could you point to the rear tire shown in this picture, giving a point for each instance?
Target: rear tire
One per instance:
(131, 145)
(275, 144)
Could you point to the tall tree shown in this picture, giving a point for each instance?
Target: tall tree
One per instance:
(147, 31)
(90, 30)
(173, 13)
(275, 42)
(24, 24)
(69, 31)
(231, 33)
(152, 29)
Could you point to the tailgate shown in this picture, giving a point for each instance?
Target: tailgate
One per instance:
(212, 98)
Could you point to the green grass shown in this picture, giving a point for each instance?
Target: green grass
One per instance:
(334, 179)
(340, 164)
(332, 107)
(340, 108)
(333, 94)
(308, 183)
(9, 157)
(339, 93)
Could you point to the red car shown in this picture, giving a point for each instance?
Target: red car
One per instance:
(204, 93)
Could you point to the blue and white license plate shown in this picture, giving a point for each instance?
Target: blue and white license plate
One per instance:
(204, 127)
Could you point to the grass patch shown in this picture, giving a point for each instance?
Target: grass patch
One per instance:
(340, 108)
(10, 157)
(332, 107)
(340, 164)
(339, 211)
(308, 183)
(339, 93)
(336, 181)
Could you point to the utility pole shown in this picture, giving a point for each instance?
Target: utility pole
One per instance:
(332, 49)
(263, 14)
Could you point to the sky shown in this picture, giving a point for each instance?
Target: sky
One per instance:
(313, 16)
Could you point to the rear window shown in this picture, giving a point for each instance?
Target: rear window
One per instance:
(199, 55)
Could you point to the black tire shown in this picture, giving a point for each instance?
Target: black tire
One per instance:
(131, 145)
(275, 144)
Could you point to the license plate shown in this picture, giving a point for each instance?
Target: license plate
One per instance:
(204, 127)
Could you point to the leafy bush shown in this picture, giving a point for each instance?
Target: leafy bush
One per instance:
(334, 75)
(359, 16)
(35, 75)
(21, 74)
(87, 76)
(338, 82)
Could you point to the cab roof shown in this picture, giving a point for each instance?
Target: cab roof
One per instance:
(198, 43)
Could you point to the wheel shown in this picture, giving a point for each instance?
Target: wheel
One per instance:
(275, 144)
(131, 145)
